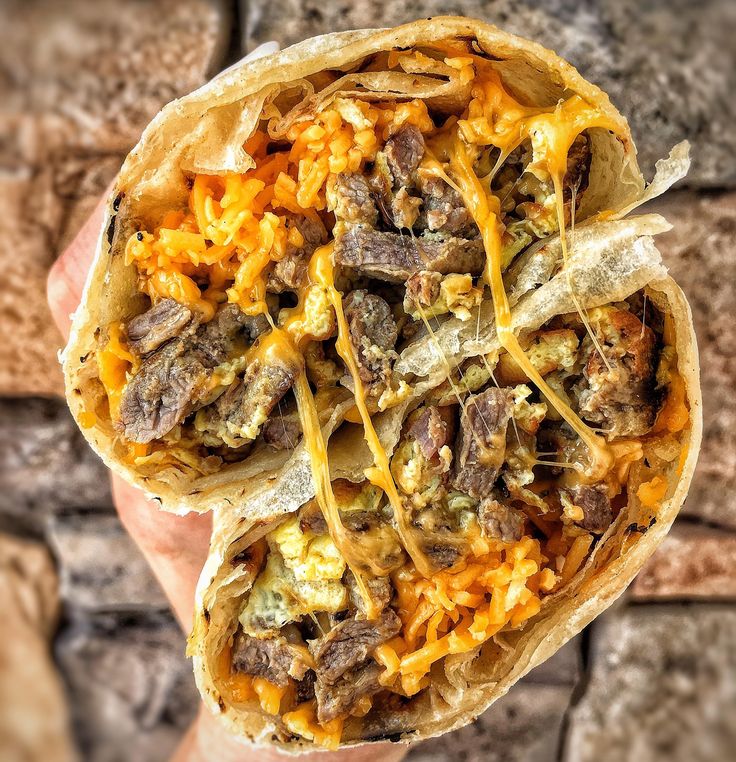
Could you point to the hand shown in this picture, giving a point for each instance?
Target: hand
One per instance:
(175, 546)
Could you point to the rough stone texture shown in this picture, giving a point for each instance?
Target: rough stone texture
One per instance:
(662, 687)
(563, 668)
(45, 464)
(80, 81)
(100, 566)
(523, 726)
(131, 688)
(693, 562)
(34, 724)
(669, 66)
(699, 253)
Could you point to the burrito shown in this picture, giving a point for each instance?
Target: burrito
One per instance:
(380, 303)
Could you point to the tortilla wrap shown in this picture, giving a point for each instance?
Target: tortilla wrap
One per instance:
(205, 132)
(605, 260)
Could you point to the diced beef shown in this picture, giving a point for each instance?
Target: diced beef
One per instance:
(354, 200)
(481, 443)
(373, 333)
(404, 151)
(271, 658)
(338, 698)
(283, 430)
(395, 258)
(499, 521)
(246, 405)
(623, 398)
(442, 555)
(162, 322)
(379, 590)
(291, 272)
(351, 642)
(443, 209)
(305, 687)
(423, 289)
(164, 391)
(359, 520)
(311, 518)
(431, 430)
(578, 167)
(595, 504)
(174, 380)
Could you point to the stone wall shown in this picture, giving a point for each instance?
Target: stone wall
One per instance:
(655, 678)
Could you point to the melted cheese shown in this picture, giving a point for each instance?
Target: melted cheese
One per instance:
(486, 212)
(380, 475)
(114, 362)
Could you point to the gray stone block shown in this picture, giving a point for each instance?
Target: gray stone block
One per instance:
(662, 687)
(100, 567)
(523, 726)
(669, 66)
(131, 688)
(699, 252)
(564, 667)
(45, 464)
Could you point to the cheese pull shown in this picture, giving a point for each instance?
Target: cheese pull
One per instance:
(485, 209)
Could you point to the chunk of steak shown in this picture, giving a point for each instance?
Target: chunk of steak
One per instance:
(499, 521)
(305, 687)
(595, 505)
(395, 258)
(404, 151)
(162, 322)
(246, 405)
(379, 590)
(443, 209)
(481, 443)
(338, 698)
(373, 334)
(271, 658)
(174, 380)
(623, 398)
(311, 518)
(351, 642)
(353, 199)
(423, 289)
(431, 430)
(578, 167)
(442, 555)
(164, 391)
(291, 272)
(283, 430)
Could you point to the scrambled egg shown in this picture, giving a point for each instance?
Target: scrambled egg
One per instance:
(302, 576)
(529, 415)
(318, 317)
(457, 295)
(547, 351)
(309, 556)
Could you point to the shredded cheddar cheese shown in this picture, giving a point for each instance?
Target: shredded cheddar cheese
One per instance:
(221, 249)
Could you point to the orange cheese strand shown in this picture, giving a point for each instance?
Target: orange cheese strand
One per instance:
(484, 208)
(114, 362)
(303, 722)
(322, 271)
(674, 415)
(269, 695)
(652, 493)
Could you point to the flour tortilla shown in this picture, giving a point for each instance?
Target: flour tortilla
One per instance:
(205, 131)
(464, 686)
